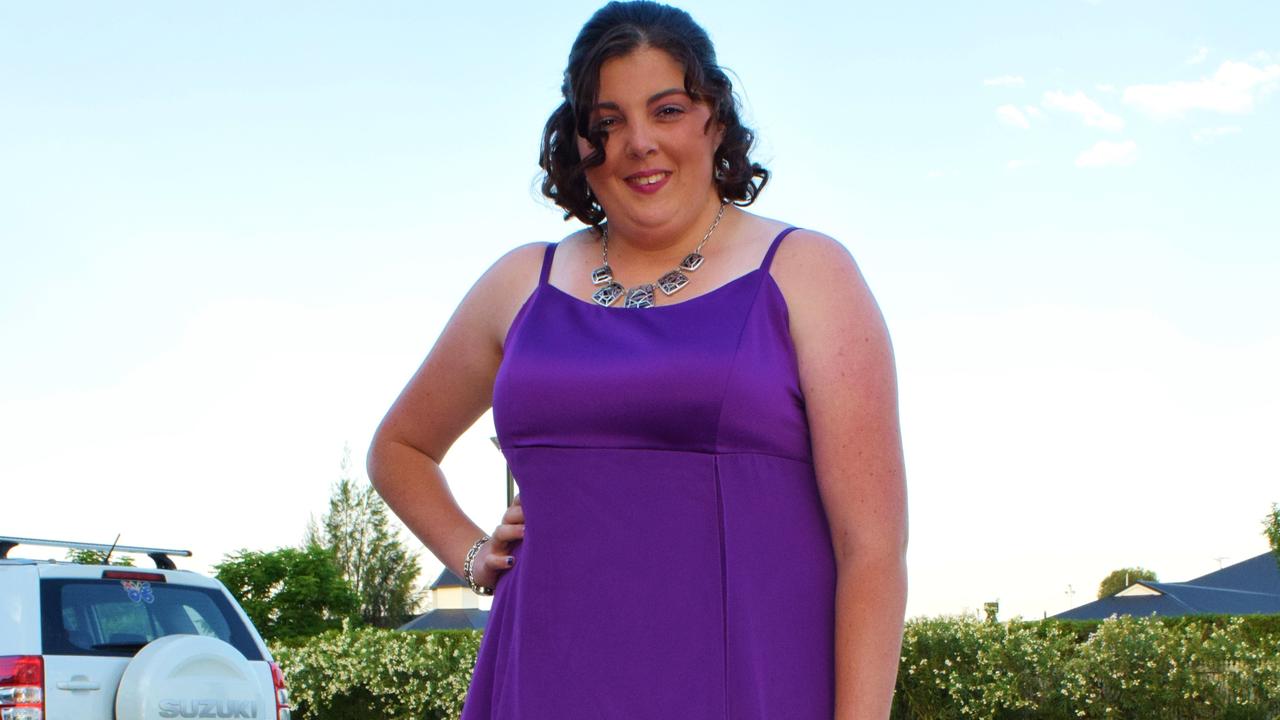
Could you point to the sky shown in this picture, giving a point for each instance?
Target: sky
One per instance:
(230, 232)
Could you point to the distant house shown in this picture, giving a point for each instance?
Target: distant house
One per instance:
(1247, 588)
(455, 607)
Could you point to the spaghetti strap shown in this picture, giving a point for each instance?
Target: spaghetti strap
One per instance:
(773, 248)
(546, 263)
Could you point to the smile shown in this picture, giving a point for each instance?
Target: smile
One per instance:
(648, 182)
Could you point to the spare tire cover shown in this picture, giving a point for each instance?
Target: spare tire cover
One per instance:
(188, 676)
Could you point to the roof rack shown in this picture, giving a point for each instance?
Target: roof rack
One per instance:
(159, 555)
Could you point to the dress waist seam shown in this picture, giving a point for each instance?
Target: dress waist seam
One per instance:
(713, 453)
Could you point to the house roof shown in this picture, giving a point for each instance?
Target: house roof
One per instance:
(448, 578)
(1245, 588)
(1258, 574)
(449, 619)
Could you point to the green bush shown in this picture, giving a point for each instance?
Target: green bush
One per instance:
(962, 668)
(361, 673)
(1184, 668)
(1177, 668)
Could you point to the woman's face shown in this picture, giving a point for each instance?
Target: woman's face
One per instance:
(657, 172)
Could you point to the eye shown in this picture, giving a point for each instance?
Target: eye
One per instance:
(605, 124)
(670, 111)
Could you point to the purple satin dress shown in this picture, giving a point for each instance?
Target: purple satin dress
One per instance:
(677, 562)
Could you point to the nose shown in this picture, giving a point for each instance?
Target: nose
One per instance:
(640, 141)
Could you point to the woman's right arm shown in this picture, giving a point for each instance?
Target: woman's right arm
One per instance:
(448, 393)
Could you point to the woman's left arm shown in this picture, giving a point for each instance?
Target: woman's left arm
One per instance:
(851, 399)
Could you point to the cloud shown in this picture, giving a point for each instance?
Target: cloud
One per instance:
(1005, 81)
(1088, 110)
(1011, 115)
(1198, 56)
(1032, 111)
(1016, 164)
(1105, 87)
(1209, 133)
(1108, 154)
(936, 173)
(1232, 90)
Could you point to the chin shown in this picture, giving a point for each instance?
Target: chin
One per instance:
(654, 215)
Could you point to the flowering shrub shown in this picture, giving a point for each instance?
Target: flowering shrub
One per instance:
(370, 673)
(1189, 671)
(951, 669)
(1175, 668)
(963, 668)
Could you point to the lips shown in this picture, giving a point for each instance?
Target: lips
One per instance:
(647, 181)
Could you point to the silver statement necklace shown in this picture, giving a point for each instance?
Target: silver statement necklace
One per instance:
(641, 296)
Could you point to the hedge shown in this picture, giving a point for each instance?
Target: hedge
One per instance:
(1124, 667)
(1184, 668)
(364, 673)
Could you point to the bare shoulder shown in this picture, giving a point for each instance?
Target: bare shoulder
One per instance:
(525, 261)
(518, 267)
(504, 288)
(454, 384)
(820, 279)
(839, 333)
(496, 297)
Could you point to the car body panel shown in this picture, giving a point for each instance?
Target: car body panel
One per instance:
(82, 684)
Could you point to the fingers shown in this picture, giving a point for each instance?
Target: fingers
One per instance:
(497, 557)
(509, 532)
(500, 562)
(491, 561)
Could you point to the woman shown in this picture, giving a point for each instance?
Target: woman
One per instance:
(702, 419)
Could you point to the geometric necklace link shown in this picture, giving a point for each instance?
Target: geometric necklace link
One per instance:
(641, 296)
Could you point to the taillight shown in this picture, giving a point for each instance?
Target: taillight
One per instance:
(283, 709)
(22, 687)
(132, 575)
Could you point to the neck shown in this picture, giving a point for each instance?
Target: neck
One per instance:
(664, 245)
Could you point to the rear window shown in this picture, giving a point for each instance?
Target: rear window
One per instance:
(118, 617)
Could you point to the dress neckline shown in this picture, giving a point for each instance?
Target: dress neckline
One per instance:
(544, 279)
(714, 291)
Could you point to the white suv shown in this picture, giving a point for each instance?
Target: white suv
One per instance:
(99, 642)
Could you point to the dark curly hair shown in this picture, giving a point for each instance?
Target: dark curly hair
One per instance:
(613, 31)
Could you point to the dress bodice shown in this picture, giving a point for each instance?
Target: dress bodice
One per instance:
(592, 376)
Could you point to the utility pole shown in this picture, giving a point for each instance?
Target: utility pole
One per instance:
(511, 485)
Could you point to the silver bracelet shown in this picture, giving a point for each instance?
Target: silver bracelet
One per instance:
(466, 568)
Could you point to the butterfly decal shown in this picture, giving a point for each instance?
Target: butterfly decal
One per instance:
(138, 591)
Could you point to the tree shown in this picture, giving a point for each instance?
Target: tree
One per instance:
(1271, 523)
(358, 531)
(1124, 577)
(289, 593)
(93, 557)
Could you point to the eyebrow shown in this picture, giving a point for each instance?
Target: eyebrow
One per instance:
(652, 99)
